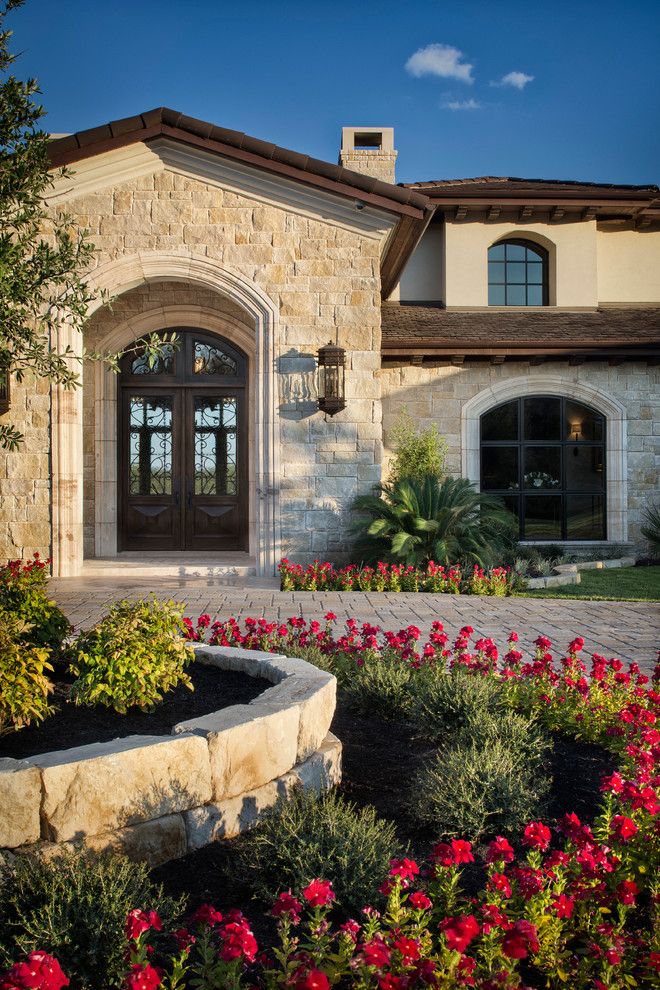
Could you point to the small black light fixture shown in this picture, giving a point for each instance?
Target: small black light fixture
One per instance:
(5, 386)
(332, 378)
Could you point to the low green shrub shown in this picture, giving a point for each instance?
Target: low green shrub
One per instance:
(417, 451)
(75, 907)
(442, 702)
(328, 837)
(132, 657)
(520, 734)
(380, 686)
(474, 792)
(24, 684)
(23, 592)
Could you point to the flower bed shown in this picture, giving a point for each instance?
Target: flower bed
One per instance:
(434, 578)
(575, 906)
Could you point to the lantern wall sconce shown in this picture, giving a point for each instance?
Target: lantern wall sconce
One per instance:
(332, 378)
(5, 386)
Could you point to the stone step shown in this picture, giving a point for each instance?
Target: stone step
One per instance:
(170, 565)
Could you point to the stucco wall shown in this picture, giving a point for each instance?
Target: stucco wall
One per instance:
(572, 260)
(324, 280)
(628, 265)
(423, 276)
(25, 473)
(437, 395)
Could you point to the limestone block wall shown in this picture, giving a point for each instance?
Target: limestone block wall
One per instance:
(157, 797)
(324, 278)
(438, 394)
(25, 474)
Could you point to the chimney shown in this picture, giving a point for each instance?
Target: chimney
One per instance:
(369, 150)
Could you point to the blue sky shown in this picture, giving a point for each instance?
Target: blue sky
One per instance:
(439, 72)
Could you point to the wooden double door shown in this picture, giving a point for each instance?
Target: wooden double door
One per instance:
(183, 446)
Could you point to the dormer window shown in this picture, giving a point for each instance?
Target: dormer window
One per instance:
(517, 274)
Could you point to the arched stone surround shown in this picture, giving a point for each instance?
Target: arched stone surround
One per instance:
(114, 279)
(612, 409)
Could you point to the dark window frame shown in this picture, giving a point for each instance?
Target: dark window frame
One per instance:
(520, 443)
(543, 257)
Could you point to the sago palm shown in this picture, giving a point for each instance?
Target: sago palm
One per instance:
(445, 520)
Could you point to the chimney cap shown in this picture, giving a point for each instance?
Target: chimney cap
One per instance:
(367, 139)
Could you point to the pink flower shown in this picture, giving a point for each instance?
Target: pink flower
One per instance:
(537, 836)
(138, 922)
(39, 972)
(460, 931)
(319, 893)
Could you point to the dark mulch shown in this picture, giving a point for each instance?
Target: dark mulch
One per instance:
(380, 759)
(74, 725)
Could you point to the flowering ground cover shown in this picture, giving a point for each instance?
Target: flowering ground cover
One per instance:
(571, 903)
(433, 578)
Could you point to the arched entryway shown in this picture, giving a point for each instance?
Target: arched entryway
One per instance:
(182, 429)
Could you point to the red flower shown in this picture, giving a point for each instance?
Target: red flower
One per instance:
(500, 882)
(407, 869)
(237, 941)
(460, 931)
(623, 828)
(206, 914)
(408, 948)
(319, 893)
(40, 972)
(627, 891)
(142, 978)
(520, 940)
(138, 922)
(537, 836)
(313, 979)
(452, 853)
(419, 901)
(499, 849)
(563, 906)
(287, 904)
(376, 953)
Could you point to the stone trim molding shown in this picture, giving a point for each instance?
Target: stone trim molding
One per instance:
(115, 278)
(158, 797)
(616, 434)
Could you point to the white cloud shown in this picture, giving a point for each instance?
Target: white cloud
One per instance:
(440, 60)
(518, 80)
(461, 105)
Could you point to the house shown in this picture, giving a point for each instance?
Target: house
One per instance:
(521, 316)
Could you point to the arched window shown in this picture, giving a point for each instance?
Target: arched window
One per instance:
(545, 457)
(517, 274)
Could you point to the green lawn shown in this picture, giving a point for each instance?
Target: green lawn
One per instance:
(634, 584)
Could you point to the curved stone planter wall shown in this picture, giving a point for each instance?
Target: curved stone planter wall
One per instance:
(158, 797)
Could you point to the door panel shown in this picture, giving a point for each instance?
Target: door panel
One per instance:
(183, 469)
(150, 469)
(215, 470)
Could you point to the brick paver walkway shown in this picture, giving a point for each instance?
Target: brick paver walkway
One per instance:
(628, 630)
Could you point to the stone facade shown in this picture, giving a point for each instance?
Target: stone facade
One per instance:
(439, 395)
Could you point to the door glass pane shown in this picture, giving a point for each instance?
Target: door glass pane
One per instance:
(542, 517)
(585, 517)
(499, 468)
(542, 467)
(501, 423)
(542, 418)
(216, 448)
(161, 364)
(584, 468)
(150, 445)
(209, 360)
(583, 423)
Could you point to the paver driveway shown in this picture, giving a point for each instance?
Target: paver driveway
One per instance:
(628, 630)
